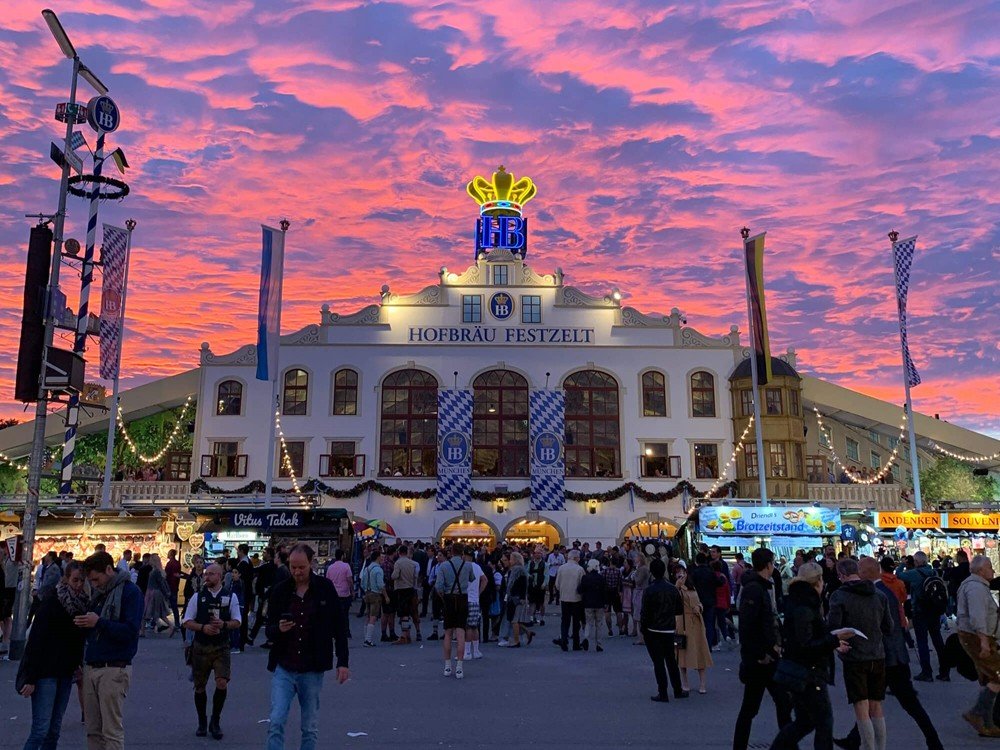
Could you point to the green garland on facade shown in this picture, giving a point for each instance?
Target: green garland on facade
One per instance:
(316, 486)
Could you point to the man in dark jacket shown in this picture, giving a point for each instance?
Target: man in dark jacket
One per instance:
(857, 604)
(760, 643)
(897, 665)
(246, 569)
(263, 579)
(661, 603)
(925, 624)
(705, 583)
(303, 622)
(112, 628)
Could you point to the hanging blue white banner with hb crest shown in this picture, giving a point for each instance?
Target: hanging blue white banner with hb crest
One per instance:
(454, 460)
(547, 411)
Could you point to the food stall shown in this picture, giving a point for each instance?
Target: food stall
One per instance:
(781, 528)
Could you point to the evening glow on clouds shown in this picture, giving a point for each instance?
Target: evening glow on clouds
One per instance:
(654, 131)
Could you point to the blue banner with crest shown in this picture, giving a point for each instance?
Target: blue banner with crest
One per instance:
(547, 419)
(454, 460)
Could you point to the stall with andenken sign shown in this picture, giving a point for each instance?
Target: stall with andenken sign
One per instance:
(905, 532)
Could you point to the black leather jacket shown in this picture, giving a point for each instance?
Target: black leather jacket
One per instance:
(661, 603)
(807, 640)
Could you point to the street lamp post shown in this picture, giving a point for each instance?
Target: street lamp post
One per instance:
(30, 520)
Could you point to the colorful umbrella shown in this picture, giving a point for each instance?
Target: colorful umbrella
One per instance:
(384, 526)
(359, 526)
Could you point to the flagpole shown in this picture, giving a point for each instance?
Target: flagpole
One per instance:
(914, 460)
(284, 224)
(758, 426)
(113, 418)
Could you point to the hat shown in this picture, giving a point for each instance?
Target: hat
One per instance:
(682, 564)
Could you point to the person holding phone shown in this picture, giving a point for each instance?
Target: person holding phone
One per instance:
(305, 620)
(211, 615)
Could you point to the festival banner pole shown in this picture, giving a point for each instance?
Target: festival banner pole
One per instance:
(754, 334)
(902, 257)
(82, 319)
(269, 337)
(113, 418)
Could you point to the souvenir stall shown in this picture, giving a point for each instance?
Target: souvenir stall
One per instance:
(906, 532)
(80, 533)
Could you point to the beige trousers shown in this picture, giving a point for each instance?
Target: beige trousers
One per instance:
(104, 692)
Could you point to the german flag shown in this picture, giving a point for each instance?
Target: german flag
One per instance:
(754, 250)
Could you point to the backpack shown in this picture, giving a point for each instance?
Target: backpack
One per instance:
(933, 596)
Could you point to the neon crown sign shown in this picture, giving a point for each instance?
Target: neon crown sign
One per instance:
(502, 196)
(501, 200)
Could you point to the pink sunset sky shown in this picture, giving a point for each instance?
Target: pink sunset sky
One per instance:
(654, 131)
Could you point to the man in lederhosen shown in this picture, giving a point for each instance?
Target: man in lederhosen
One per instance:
(211, 614)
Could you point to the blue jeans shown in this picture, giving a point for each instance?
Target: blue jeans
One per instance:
(48, 704)
(285, 686)
(924, 626)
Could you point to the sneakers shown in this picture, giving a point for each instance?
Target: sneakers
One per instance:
(503, 643)
(369, 644)
(447, 671)
(459, 673)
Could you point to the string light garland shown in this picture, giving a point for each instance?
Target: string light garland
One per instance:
(170, 440)
(967, 458)
(732, 458)
(286, 460)
(848, 471)
(12, 462)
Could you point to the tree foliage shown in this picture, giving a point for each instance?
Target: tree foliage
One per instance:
(950, 479)
(150, 435)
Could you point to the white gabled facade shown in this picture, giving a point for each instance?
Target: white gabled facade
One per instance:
(437, 331)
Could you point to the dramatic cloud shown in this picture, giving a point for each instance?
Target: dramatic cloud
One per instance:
(654, 131)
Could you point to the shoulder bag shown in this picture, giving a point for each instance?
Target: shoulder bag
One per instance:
(791, 676)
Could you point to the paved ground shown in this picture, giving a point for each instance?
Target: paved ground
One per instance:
(398, 696)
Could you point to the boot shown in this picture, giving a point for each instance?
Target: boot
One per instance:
(215, 729)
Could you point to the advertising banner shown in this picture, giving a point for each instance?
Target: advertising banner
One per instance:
(907, 519)
(771, 520)
(454, 463)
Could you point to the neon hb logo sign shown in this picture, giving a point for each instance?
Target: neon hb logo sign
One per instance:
(501, 233)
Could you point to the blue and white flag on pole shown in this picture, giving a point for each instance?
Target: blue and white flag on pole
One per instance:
(902, 258)
(454, 460)
(114, 260)
(269, 305)
(547, 409)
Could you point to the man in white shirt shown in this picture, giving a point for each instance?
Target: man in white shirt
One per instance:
(126, 560)
(555, 559)
(210, 614)
(568, 587)
(475, 617)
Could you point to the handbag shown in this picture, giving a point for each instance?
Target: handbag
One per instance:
(791, 676)
(681, 639)
(22, 676)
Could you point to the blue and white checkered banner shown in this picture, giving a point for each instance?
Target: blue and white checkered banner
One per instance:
(902, 257)
(114, 256)
(454, 462)
(547, 412)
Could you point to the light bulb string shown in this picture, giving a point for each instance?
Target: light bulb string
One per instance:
(732, 459)
(175, 433)
(20, 467)
(286, 459)
(848, 471)
(968, 458)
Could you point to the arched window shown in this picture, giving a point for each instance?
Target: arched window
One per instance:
(345, 392)
(230, 401)
(500, 425)
(592, 428)
(295, 397)
(702, 394)
(654, 394)
(408, 446)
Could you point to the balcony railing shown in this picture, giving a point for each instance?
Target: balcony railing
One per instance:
(129, 492)
(872, 496)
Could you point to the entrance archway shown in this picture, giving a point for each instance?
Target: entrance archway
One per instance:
(468, 531)
(533, 531)
(646, 528)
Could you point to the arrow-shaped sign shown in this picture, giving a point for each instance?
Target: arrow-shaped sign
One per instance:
(62, 159)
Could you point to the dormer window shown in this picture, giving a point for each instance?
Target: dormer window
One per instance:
(500, 275)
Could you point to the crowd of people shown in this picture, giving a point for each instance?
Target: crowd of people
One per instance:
(791, 621)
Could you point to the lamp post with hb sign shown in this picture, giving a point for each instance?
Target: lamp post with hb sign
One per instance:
(72, 113)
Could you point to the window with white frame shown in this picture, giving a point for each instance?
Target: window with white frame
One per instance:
(656, 460)
(706, 460)
(472, 308)
(296, 451)
(853, 449)
(531, 308)
(876, 460)
(500, 275)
